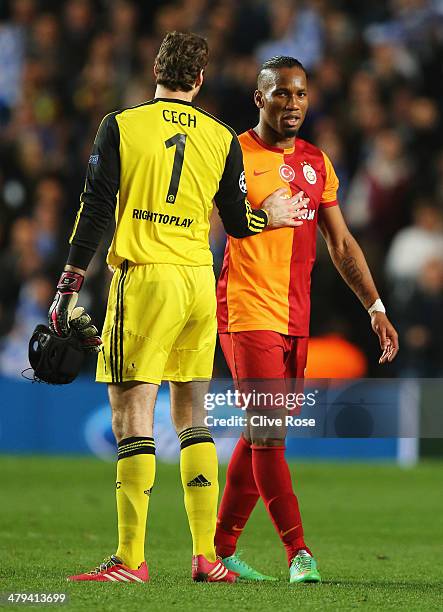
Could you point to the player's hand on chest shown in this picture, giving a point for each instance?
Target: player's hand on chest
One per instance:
(304, 176)
(307, 176)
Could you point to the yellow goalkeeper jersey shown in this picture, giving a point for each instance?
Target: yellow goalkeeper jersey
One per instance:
(159, 167)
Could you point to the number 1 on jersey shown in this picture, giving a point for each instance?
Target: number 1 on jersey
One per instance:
(179, 141)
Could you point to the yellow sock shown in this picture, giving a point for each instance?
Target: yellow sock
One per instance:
(199, 474)
(135, 478)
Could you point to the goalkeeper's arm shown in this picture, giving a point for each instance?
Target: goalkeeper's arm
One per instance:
(97, 205)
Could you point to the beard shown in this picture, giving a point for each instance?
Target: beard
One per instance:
(290, 132)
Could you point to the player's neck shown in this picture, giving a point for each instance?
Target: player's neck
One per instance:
(273, 138)
(164, 92)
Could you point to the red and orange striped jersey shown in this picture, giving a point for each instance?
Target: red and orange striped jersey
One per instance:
(265, 279)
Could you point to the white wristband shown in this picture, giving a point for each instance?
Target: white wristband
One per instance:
(377, 306)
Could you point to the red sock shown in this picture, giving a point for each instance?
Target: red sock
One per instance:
(239, 499)
(273, 479)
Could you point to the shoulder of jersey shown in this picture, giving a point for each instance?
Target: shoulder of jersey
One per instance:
(303, 146)
(113, 114)
(216, 119)
(131, 108)
(245, 137)
(248, 143)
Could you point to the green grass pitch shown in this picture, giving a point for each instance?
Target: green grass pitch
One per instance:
(376, 531)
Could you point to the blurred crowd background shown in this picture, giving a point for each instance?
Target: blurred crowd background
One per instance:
(376, 94)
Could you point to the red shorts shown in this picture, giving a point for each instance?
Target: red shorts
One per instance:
(266, 362)
(264, 354)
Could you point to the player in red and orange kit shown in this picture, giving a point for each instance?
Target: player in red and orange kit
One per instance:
(264, 305)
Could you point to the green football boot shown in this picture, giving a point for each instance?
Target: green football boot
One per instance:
(303, 568)
(245, 571)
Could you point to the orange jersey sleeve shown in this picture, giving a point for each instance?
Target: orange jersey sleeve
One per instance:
(329, 195)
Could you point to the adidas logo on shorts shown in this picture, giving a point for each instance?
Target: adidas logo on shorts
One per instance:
(199, 481)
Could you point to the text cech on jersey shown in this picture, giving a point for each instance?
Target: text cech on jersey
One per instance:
(182, 118)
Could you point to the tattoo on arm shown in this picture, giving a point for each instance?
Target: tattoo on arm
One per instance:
(354, 277)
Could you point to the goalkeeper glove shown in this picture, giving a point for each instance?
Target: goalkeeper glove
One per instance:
(64, 317)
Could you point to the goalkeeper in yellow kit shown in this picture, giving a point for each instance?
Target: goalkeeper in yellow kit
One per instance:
(158, 167)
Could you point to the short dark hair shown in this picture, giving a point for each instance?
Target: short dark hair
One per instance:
(277, 62)
(180, 59)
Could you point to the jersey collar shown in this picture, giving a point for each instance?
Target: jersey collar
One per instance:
(175, 100)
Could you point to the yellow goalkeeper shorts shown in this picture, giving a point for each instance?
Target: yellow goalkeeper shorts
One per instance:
(160, 324)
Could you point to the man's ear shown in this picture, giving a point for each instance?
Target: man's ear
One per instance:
(155, 70)
(200, 78)
(258, 98)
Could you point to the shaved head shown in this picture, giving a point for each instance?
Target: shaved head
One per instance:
(266, 75)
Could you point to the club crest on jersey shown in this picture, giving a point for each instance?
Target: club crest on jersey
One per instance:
(287, 173)
(242, 183)
(309, 173)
